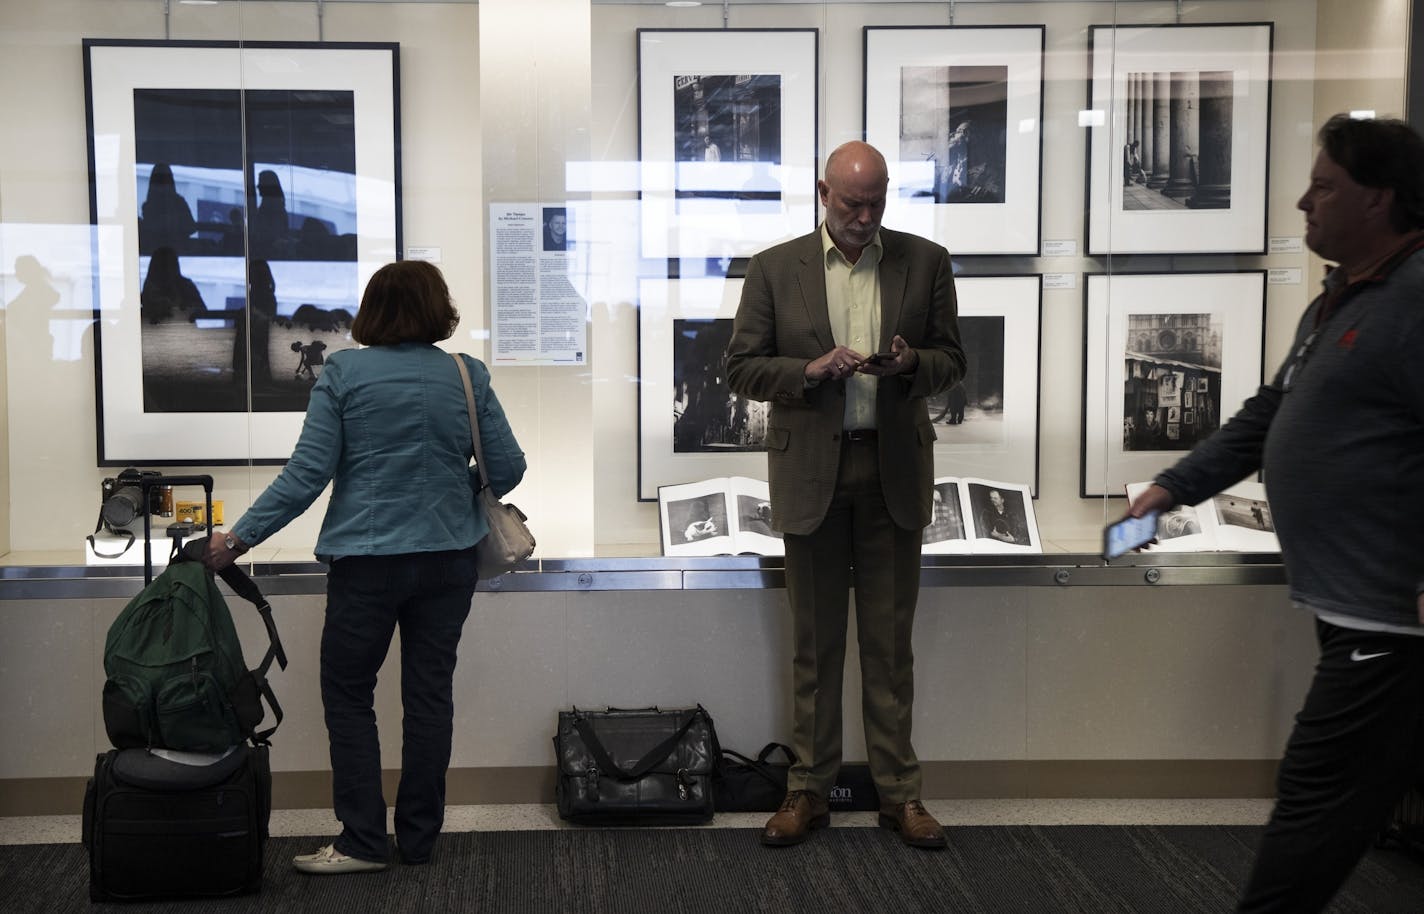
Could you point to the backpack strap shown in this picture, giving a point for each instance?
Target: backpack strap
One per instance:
(242, 585)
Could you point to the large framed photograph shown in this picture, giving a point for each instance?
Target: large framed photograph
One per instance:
(987, 425)
(726, 139)
(251, 191)
(691, 427)
(958, 113)
(1167, 359)
(1180, 138)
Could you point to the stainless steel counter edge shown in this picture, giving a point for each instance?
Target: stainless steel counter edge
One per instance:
(62, 582)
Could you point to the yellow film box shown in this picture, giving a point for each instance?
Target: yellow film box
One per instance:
(193, 510)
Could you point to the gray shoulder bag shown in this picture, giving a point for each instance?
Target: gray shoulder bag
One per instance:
(509, 541)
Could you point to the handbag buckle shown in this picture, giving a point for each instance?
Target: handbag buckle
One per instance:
(591, 776)
(682, 782)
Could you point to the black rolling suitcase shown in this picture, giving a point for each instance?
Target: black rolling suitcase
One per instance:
(161, 823)
(157, 828)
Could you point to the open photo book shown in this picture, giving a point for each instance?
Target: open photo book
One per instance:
(1237, 520)
(980, 516)
(729, 515)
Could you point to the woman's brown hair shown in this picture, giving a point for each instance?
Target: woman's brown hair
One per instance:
(405, 302)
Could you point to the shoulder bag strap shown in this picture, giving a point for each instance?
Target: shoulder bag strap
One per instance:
(243, 586)
(474, 419)
(648, 762)
(770, 749)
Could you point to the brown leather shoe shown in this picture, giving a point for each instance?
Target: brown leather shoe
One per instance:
(800, 812)
(916, 826)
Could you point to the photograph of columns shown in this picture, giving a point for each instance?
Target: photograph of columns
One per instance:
(1177, 162)
(958, 112)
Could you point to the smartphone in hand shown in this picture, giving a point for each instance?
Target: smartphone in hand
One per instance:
(1121, 537)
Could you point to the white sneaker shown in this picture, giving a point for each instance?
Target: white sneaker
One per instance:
(330, 861)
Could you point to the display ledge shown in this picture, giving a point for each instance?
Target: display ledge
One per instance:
(38, 582)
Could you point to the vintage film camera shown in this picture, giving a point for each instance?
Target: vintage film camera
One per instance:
(124, 501)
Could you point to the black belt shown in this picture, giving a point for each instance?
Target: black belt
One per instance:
(858, 435)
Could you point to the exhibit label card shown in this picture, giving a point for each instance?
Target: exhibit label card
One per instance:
(537, 315)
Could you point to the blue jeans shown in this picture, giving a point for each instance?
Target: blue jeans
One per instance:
(428, 595)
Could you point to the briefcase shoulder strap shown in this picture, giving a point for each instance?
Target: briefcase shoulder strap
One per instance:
(771, 749)
(650, 760)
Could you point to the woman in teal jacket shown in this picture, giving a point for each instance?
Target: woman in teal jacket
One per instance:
(388, 427)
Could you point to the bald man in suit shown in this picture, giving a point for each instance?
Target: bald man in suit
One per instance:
(850, 454)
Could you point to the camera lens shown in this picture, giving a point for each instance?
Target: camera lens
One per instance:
(123, 506)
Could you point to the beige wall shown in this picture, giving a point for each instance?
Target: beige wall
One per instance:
(1070, 679)
(1359, 62)
(535, 98)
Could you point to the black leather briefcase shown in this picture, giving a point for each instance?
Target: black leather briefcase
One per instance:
(635, 767)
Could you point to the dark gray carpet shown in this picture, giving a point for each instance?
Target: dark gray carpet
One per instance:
(1096, 869)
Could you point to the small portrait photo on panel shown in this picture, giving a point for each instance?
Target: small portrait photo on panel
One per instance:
(556, 228)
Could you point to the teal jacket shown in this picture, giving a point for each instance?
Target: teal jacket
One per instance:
(388, 425)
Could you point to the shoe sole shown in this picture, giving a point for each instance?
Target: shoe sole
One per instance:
(816, 822)
(891, 823)
(338, 869)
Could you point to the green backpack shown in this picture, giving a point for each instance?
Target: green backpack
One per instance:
(176, 675)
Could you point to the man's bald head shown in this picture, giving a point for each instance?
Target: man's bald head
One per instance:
(853, 194)
(855, 159)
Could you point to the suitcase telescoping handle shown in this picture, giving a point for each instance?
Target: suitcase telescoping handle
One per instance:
(152, 482)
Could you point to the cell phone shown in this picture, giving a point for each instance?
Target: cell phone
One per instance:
(876, 358)
(1123, 536)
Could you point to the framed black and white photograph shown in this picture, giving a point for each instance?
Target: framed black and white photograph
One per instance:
(958, 111)
(987, 425)
(690, 425)
(1178, 138)
(1152, 341)
(726, 139)
(253, 190)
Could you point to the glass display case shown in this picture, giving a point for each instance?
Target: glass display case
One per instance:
(194, 194)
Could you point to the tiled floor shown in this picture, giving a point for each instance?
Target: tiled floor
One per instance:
(515, 817)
